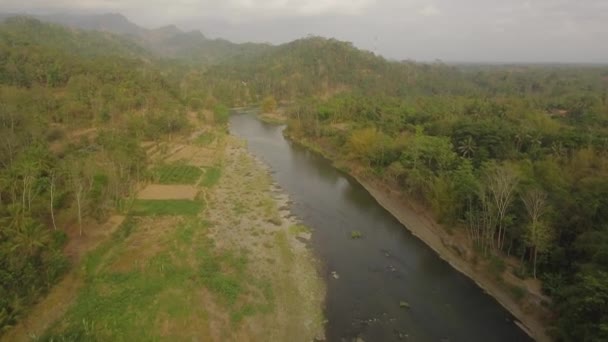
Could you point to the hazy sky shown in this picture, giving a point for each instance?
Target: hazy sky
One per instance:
(450, 30)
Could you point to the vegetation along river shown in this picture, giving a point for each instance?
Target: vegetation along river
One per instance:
(387, 285)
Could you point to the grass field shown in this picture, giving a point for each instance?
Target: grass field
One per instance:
(205, 139)
(127, 303)
(166, 208)
(177, 173)
(148, 294)
(211, 177)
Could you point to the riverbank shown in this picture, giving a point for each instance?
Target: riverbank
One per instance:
(209, 251)
(451, 246)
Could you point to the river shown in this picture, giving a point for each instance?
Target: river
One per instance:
(384, 268)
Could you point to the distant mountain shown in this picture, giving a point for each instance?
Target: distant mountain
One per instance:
(316, 66)
(17, 32)
(166, 42)
(109, 22)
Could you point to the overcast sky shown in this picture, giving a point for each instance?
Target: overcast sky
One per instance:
(450, 30)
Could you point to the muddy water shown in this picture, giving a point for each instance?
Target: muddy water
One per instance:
(378, 272)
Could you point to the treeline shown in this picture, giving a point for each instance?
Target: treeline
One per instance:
(71, 125)
(523, 175)
(320, 67)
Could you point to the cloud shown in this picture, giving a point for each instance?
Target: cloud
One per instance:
(301, 7)
(211, 8)
(469, 30)
(429, 11)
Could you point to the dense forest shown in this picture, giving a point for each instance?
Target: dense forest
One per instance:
(516, 156)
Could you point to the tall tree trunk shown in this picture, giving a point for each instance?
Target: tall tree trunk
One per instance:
(78, 199)
(23, 194)
(535, 254)
(29, 195)
(52, 197)
(521, 260)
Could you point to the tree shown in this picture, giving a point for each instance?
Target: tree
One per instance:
(538, 233)
(363, 143)
(428, 153)
(80, 182)
(29, 237)
(52, 193)
(269, 105)
(467, 147)
(582, 308)
(221, 114)
(501, 182)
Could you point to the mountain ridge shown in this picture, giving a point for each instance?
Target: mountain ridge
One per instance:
(166, 42)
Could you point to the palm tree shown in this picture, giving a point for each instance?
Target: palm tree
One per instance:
(29, 236)
(558, 149)
(518, 142)
(467, 147)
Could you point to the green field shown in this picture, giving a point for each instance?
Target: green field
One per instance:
(176, 173)
(211, 177)
(141, 283)
(205, 139)
(166, 208)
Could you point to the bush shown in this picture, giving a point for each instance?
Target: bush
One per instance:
(59, 238)
(269, 105)
(496, 266)
(195, 103)
(518, 292)
(55, 134)
(221, 114)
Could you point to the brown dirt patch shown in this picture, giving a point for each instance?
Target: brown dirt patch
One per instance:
(167, 192)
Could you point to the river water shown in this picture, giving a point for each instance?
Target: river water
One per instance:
(387, 266)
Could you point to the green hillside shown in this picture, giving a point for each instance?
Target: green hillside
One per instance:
(322, 67)
(25, 31)
(167, 42)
